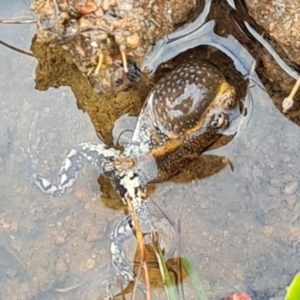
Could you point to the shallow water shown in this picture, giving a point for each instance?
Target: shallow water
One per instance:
(241, 228)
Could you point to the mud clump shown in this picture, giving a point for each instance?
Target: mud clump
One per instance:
(281, 20)
(56, 68)
(108, 40)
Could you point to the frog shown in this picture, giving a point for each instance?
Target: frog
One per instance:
(184, 114)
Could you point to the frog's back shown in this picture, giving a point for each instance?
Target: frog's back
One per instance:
(178, 99)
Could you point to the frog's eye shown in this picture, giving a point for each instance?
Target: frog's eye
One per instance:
(230, 104)
(219, 120)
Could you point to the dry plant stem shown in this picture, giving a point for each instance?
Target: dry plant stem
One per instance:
(124, 60)
(295, 88)
(148, 288)
(90, 71)
(16, 49)
(71, 288)
(179, 265)
(99, 63)
(139, 236)
(288, 102)
(135, 286)
(12, 22)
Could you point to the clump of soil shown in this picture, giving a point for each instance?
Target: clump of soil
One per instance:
(281, 20)
(56, 68)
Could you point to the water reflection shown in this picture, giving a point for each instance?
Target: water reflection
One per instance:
(46, 245)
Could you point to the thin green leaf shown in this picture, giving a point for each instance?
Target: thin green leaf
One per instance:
(165, 274)
(192, 274)
(293, 291)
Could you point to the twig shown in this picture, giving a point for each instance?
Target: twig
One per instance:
(69, 289)
(16, 49)
(13, 22)
(289, 101)
(135, 286)
(139, 236)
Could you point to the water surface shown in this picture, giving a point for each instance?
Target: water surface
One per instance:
(241, 228)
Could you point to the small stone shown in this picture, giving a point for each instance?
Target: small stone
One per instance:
(59, 224)
(83, 267)
(11, 273)
(238, 296)
(271, 27)
(268, 231)
(238, 273)
(6, 225)
(16, 244)
(93, 237)
(20, 191)
(24, 288)
(47, 109)
(288, 177)
(295, 234)
(33, 211)
(291, 188)
(68, 218)
(81, 194)
(133, 40)
(275, 182)
(14, 226)
(90, 264)
(107, 4)
(206, 285)
(291, 200)
(273, 191)
(60, 240)
(60, 267)
(94, 198)
(205, 204)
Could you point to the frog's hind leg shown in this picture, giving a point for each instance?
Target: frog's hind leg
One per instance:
(129, 188)
(96, 153)
(120, 263)
(123, 269)
(67, 175)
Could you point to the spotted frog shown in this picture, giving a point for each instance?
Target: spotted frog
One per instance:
(185, 113)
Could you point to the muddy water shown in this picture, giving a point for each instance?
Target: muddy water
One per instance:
(241, 228)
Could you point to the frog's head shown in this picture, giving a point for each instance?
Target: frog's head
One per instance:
(220, 112)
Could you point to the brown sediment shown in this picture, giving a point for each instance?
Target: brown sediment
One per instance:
(56, 68)
(280, 19)
(118, 30)
(277, 82)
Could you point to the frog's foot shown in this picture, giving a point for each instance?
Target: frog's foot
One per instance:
(155, 229)
(120, 263)
(123, 232)
(67, 175)
(119, 166)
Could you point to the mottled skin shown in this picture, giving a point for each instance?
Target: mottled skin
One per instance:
(184, 114)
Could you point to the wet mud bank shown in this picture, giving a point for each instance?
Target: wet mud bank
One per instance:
(56, 66)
